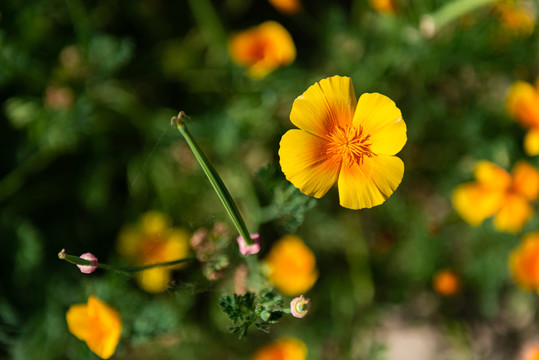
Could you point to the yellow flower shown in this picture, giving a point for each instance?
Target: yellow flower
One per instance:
(384, 6)
(263, 48)
(288, 7)
(97, 324)
(496, 193)
(517, 16)
(524, 262)
(523, 104)
(282, 349)
(344, 142)
(446, 282)
(153, 241)
(291, 266)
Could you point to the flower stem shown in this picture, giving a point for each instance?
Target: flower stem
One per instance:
(123, 269)
(215, 179)
(432, 23)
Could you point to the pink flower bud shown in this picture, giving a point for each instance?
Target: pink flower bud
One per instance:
(249, 249)
(88, 269)
(300, 307)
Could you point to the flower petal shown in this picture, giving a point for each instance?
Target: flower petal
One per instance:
(382, 120)
(371, 183)
(524, 262)
(523, 103)
(324, 106)
(107, 327)
(78, 320)
(306, 164)
(154, 280)
(475, 202)
(526, 180)
(514, 214)
(531, 142)
(490, 175)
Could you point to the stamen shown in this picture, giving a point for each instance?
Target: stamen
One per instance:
(350, 144)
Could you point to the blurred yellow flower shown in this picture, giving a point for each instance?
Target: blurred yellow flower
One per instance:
(496, 193)
(288, 7)
(384, 6)
(282, 349)
(291, 266)
(523, 104)
(97, 324)
(342, 141)
(524, 262)
(153, 240)
(446, 282)
(517, 16)
(263, 48)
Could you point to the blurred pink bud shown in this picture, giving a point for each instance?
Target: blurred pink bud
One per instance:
(249, 249)
(300, 307)
(88, 269)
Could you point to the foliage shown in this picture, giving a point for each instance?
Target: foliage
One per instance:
(88, 89)
(259, 310)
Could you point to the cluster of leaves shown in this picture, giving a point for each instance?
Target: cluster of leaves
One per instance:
(259, 310)
(288, 205)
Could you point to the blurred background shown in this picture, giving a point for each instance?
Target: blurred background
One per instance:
(88, 89)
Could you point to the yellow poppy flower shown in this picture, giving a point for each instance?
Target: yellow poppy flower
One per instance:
(291, 266)
(384, 6)
(288, 7)
(153, 241)
(524, 262)
(523, 104)
(446, 282)
(518, 16)
(97, 324)
(496, 193)
(263, 48)
(282, 349)
(342, 141)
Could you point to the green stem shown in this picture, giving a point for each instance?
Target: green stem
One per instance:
(215, 180)
(123, 269)
(432, 23)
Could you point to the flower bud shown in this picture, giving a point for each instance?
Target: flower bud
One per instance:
(88, 269)
(246, 249)
(300, 307)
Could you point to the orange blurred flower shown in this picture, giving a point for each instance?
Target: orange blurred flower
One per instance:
(496, 193)
(263, 48)
(446, 282)
(524, 262)
(97, 324)
(282, 349)
(344, 141)
(530, 352)
(291, 266)
(288, 7)
(523, 104)
(153, 240)
(384, 6)
(518, 16)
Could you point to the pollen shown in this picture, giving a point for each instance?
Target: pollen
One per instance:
(350, 144)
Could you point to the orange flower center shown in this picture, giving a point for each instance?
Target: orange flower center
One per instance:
(350, 144)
